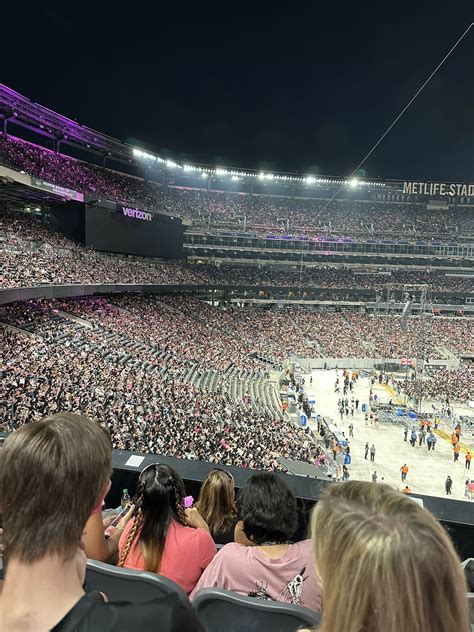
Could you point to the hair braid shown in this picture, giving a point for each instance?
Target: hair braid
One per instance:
(135, 528)
(180, 509)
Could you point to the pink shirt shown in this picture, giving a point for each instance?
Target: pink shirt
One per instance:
(186, 553)
(246, 570)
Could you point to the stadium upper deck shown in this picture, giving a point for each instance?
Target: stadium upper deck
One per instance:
(212, 198)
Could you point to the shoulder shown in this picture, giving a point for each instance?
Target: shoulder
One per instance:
(190, 533)
(172, 614)
(303, 548)
(197, 539)
(231, 552)
(234, 549)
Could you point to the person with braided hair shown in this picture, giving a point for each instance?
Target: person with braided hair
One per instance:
(163, 537)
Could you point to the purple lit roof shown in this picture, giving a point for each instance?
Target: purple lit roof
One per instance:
(26, 113)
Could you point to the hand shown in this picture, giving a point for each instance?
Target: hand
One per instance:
(239, 534)
(194, 519)
(123, 523)
(108, 521)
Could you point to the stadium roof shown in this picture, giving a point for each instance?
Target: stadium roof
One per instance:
(20, 111)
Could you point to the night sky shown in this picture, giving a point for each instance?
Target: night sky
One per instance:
(298, 87)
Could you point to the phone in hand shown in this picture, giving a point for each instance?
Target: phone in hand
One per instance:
(188, 502)
(115, 522)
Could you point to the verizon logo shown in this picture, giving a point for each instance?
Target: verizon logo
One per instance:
(136, 213)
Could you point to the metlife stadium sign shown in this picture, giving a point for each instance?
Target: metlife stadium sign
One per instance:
(439, 188)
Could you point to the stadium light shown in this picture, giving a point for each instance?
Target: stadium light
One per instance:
(234, 174)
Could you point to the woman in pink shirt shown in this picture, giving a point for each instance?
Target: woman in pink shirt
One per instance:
(163, 537)
(262, 562)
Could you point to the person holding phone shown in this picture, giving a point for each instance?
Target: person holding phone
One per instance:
(163, 536)
(100, 537)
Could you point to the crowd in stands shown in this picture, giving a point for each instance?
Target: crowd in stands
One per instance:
(34, 254)
(442, 385)
(351, 334)
(262, 213)
(312, 217)
(118, 373)
(218, 337)
(340, 277)
(77, 175)
(367, 543)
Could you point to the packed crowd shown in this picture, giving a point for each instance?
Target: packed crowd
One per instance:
(263, 214)
(77, 175)
(124, 383)
(441, 385)
(34, 254)
(311, 217)
(350, 334)
(341, 277)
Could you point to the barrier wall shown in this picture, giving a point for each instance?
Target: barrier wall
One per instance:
(9, 295)
(363, 363)
(456, 515)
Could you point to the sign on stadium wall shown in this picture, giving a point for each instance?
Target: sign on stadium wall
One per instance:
(57, 190)
(439, 188)
(131, 211)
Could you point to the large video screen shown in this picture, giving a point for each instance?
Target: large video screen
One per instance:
(129, 230)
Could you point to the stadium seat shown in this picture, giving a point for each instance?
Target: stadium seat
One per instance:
(123, 584)
(219, 610)
(468, 566)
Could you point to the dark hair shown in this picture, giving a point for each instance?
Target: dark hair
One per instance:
(158, 501)
(267, 507)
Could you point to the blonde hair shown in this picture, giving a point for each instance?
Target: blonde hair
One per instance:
(385, 563)
(216, 502)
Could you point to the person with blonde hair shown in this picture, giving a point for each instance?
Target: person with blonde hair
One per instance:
(216, 505)
(385, 564)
